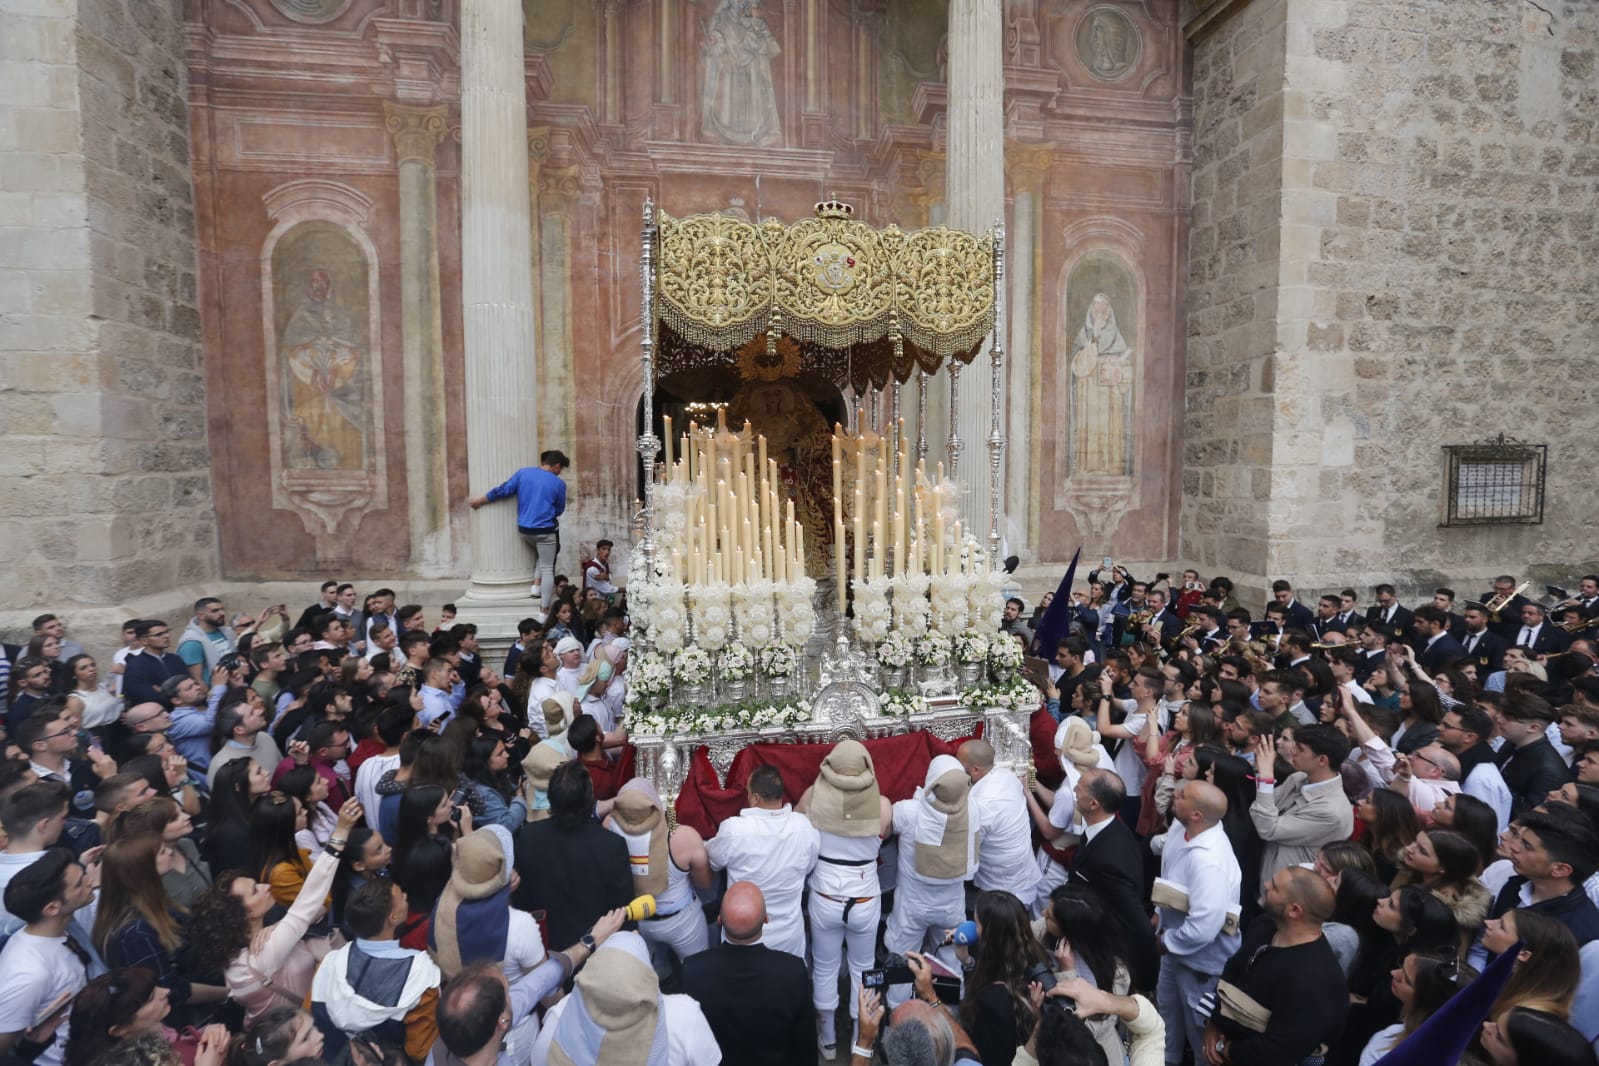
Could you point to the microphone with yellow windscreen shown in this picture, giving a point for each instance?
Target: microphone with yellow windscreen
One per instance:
(641, 908)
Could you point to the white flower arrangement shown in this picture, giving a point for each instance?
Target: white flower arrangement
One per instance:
(703, 721)
(779, 660)
(871, 610)
(949, 603)
(692, 666)
(1018, 694)
(648, 677)
(712, 614)
(911, 608)
(971, 646)
(736, 662)
(895, 651)
(796, 609)
(1005, 657)
(668, 618)
(933, 649)
(901, 703)
(753, 606)
(987, 599)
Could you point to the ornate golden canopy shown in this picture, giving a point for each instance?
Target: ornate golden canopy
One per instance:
(890, 301)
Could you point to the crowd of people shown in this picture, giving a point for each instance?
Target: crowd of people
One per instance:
(1329, 835)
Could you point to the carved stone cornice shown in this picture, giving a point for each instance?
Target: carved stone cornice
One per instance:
(1208, 17)
(417, 131)
(1028, 164)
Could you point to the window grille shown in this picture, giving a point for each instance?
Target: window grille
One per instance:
(1498, 481)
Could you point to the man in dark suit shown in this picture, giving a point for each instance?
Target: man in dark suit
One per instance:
(1163, 619)
(1390, 617)
(1444, 600)
(1528, 762)
(1110, 861)
(146, 670)
(1509, 623)
(1483, 646)
(572, 869)
(1435, 648)
(1299, 616)
(1587, 598)
(1373, 651)
(1538, 633)
(1327, 619)
(757, 1001)
(1348, 611)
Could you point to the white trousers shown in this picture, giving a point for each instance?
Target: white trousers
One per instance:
(685, 932)
(923, 910)
(831, 937)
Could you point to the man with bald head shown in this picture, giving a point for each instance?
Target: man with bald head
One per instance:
(1426, 776)
(757, 1000)
(1005, 860)
(1197, 902)
(1272, 1005)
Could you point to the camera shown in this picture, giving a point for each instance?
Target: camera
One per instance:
(894, 971)
(1043, 973)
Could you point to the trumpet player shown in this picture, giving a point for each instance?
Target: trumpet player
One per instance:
(1504, 607)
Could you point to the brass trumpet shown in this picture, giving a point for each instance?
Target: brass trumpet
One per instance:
(1577, 625)
(1497, 604)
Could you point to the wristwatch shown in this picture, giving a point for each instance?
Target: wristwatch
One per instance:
(1221, 1045)
(587, 940)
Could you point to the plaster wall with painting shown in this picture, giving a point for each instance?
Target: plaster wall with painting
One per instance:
(326, 167)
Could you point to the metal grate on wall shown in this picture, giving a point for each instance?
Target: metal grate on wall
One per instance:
(1498, 481)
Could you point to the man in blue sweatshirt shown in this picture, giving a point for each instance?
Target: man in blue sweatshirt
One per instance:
(540, 499)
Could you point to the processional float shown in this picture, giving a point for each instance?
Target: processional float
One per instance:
(737, 642)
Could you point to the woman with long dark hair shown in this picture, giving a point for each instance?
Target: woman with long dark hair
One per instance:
(311, 790)
(137, 923)
(366, 856)
(161, 815)
(427, 823)
(1391, 827)
(1472, 819)
(267, 965)
(1236, 779)
(275, 855)
(1076, 918)
(996, 1010)
(233, 793)
(128, 1005)
(486, 769)
(1523, 1036)
(1446, 864)
(1422, 982)
(1421, 710)
(281, 1036)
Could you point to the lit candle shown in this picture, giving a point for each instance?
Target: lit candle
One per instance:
(838, 464)
(877, 549)
(668, 436)
(838, 557)
(860, 532)
(880, 519)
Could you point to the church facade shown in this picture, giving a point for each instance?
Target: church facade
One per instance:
(1272, 263)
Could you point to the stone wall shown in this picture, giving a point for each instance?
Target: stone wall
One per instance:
(1439, 180)
(104, 490)
(1233, 290)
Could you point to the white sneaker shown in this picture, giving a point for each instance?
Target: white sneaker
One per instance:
(827, 1035)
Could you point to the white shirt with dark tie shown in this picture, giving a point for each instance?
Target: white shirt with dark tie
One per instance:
(1529, 634)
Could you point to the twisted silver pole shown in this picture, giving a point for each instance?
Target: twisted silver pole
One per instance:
(954, 424)
(996, 436)
(648, 443)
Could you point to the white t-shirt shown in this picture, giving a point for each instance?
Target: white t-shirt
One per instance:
(35, 971)
(367, 776)
(1129, 765)
(776, 850)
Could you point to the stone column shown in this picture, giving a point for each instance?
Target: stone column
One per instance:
(976, 167)
(417, 132)
(1029, 165)
(559, 188)
(497, 303)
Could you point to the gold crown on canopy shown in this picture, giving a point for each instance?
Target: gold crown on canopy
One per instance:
(834, 209)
